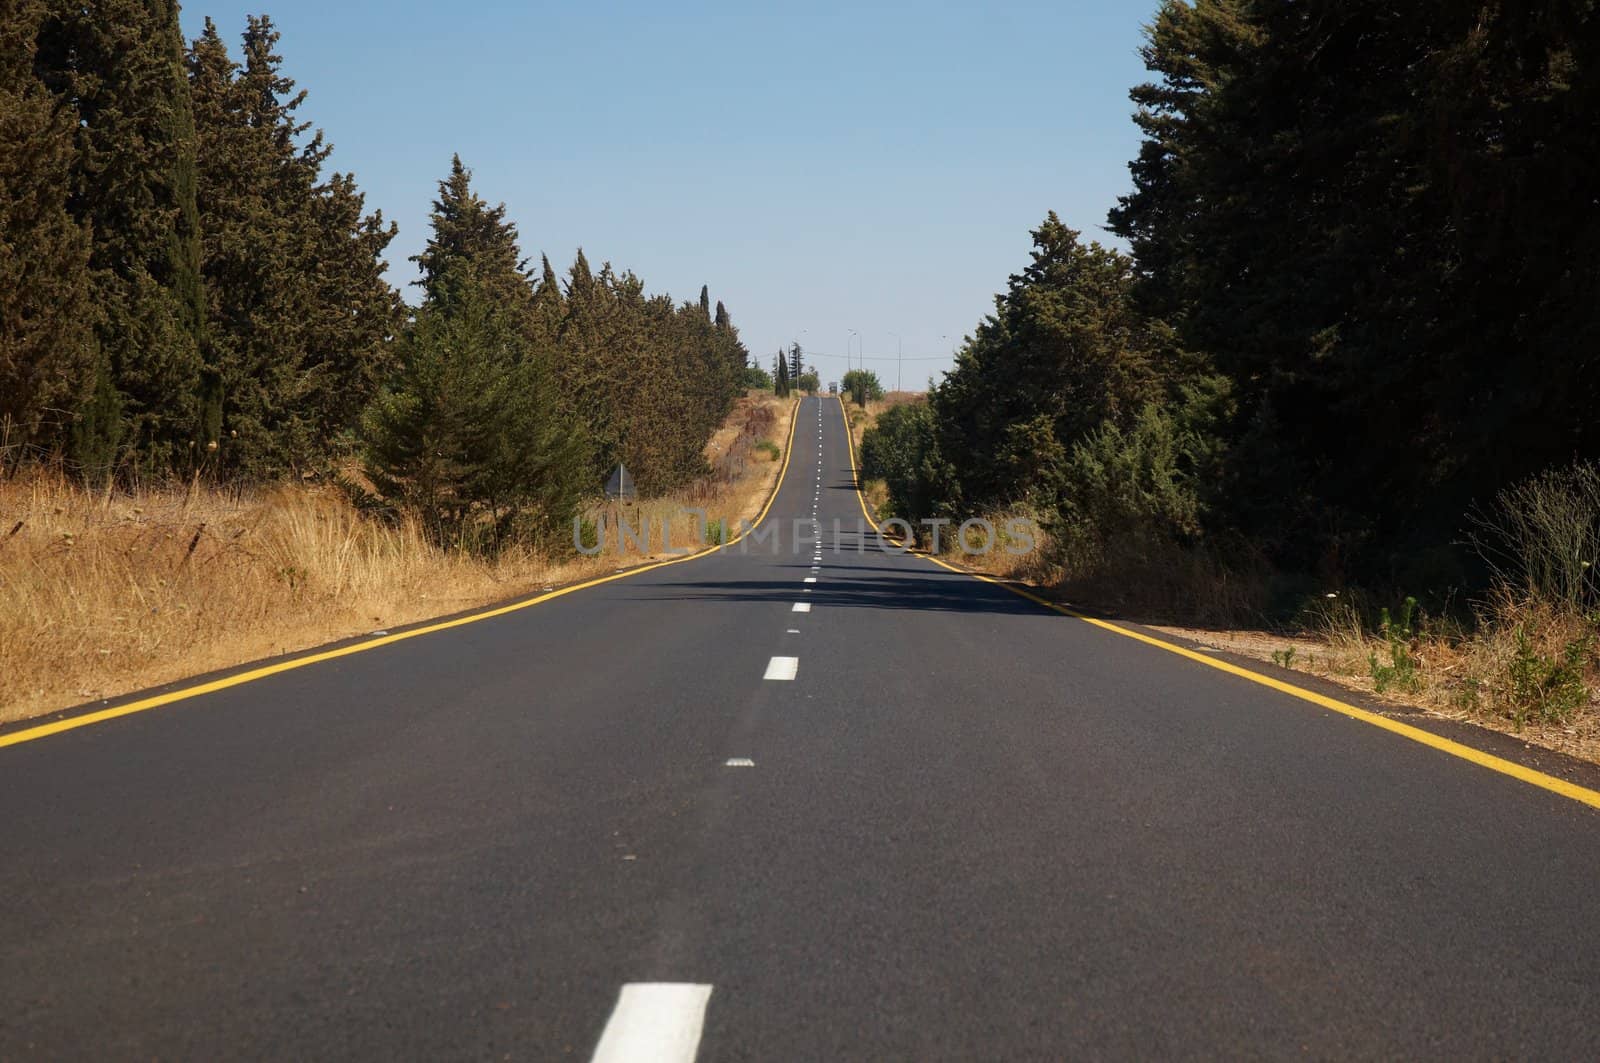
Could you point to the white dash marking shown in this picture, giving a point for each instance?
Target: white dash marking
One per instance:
(801, 607)
(782, 668)
(794, 631)
(655, 1022)
(811, 579)
(740, 762)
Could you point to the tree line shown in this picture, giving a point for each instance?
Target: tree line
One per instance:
(188, 289)
(1359, 301)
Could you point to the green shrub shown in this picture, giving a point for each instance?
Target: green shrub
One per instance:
(901, 451)
(1551, 690)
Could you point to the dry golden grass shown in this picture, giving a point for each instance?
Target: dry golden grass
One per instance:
(102, 593)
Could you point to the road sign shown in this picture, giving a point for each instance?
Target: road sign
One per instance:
(620, 487)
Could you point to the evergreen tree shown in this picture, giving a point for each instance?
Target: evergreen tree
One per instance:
(1358, 210)
(119, 66)
(471, 239)
(781, 376)
(301, 315)
(472, 435)
(47, 355)
(549, 307)
(734, 352)
(1064, 353)
(467, 436)
(355, 315)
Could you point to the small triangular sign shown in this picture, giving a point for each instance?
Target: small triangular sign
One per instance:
(620, 486)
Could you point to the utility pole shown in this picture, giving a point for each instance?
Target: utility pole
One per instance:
(899, 351)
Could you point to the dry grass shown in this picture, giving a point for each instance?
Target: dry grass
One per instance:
(1499, 675)
(102, 593)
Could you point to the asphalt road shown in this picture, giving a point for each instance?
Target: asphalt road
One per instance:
(972, 829)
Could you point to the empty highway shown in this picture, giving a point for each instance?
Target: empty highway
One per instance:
(782, 802)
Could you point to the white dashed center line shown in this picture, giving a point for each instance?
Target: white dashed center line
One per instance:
(782, 668)
(655, 1022)
(801, 607)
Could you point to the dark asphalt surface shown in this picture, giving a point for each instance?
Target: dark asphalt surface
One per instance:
(974, 830)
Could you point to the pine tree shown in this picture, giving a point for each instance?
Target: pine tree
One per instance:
(46, 351)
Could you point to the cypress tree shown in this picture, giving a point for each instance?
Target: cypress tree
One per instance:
(293, 264)
(549, 306)
(47, 356)
(781, 376)
(470, 238)
(120, 66)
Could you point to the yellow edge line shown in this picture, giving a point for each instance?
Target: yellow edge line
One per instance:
(32, 734)
(1581, 794)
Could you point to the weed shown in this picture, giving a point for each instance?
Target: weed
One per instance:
(1284, 658)
(1550, 689)
(1400, 673)
(1465, 696)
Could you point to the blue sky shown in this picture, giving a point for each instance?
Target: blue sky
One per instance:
(823, 167)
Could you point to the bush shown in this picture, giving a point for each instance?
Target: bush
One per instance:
(1128, 487)
(1543, 535)
(900, 450)
(1551, 689)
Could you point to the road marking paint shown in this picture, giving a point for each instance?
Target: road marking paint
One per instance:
(1581, 794)
(811, 579)
(72, 723)
(740, 762)
(782, 668)
(801, 607)
(654, 1022)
